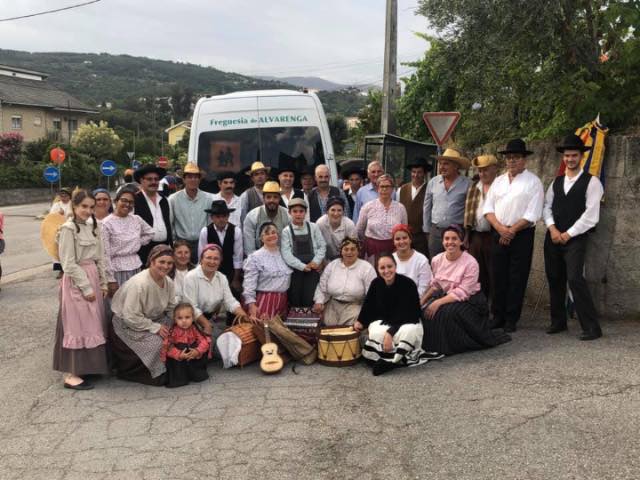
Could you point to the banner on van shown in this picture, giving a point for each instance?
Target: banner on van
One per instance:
(279, 119)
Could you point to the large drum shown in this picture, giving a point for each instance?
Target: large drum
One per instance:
(339, 347)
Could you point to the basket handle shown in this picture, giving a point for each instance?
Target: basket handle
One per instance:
(240, 319)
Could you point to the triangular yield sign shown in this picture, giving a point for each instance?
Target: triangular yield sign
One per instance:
(441, 124)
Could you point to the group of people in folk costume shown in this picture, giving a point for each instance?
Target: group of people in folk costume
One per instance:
(419, 269)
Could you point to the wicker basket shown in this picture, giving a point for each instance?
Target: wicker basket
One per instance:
(250, 350)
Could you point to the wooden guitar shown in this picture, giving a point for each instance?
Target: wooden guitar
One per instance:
(271, 362)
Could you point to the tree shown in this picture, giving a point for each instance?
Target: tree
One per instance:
(339, 132)
(10, 147)
(98, 141)
(526, 68)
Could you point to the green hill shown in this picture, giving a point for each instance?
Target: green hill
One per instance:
(99, 78)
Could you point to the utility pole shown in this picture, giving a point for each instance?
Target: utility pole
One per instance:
(389, 83)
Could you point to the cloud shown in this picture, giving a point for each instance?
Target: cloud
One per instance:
(339, 40)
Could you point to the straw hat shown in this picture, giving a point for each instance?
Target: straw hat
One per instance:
(271, 187)
(482, 161)
(191, 167)
(257, 167)
(48, 232)
(454, 155)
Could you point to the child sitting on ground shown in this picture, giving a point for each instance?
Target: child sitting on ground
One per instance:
(185, 350)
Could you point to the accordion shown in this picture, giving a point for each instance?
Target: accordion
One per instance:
(304, 322)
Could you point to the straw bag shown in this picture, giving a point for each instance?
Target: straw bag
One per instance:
(250, 350)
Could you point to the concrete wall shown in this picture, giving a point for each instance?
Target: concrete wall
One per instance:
(20, 196)
(613, 256)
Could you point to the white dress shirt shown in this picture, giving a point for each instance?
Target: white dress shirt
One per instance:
(159, 228)
(520, 198)
(591, 215)
(237, 243)
(414, 190)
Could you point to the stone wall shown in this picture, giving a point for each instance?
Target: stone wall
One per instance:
(20, 196)
(613, 256)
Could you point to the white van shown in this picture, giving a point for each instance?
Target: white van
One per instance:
(229, 132)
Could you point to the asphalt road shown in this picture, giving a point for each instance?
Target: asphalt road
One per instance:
(539, 407)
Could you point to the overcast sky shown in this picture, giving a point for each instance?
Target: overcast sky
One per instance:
(340, 40)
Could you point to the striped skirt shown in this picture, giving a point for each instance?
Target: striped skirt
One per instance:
(462, 326)
(406, 345)
(125, 275)
(272, 303)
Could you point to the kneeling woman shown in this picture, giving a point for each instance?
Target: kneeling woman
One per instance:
(391, 312)
(457, 316)
(142, 314)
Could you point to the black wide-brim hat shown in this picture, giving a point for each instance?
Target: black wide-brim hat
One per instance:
(146, 169)
(572, 142)
(419, 162)
(219, 207)
(516, 145)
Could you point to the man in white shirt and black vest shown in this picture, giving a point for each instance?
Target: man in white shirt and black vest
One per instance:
(512, 206)
(228, 237)
(153, 208)
(571, 212)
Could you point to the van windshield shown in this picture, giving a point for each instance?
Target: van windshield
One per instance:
(236, 150)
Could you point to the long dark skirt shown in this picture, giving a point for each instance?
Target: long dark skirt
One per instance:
(461, 326)
(128, 365)
(78, 361)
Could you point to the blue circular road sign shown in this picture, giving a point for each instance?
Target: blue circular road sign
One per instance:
(51, 174)
(108, 168)
(135, 164)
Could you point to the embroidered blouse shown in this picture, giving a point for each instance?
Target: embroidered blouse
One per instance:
(264, 271)
(345, 284)
(187, 336)
(123, 237)
(376, 221)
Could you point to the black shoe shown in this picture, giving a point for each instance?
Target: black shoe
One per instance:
(556, 329)
(81, 386)
(381, 367)
(509, 328)
(586, 336)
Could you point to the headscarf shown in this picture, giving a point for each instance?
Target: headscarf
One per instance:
(401, 227)
(454, 228)
(159, 251)
(101, 190)
(211, 247)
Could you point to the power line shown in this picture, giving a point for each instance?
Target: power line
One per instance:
(49, 11)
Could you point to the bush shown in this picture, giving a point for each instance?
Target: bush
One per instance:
(10, 147)
(81, 171)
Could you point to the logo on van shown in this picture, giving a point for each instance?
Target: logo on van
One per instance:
(266, 119)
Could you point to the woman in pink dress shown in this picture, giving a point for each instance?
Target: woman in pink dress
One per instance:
(80, 344)
(456, 315)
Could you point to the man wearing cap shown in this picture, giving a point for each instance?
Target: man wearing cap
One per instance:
(271, 211)
(478, 229)
(323, 191)
(571, 212)
(303, 249)
(253, 197)
(227, 184)
(412, 197)
(228, 237)
(512, 206)
(153, 208)
(188, 216)
(444, 198)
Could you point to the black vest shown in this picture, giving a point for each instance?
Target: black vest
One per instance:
(226, 267)
(296, 194)
(567, 209)
(315, 212)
